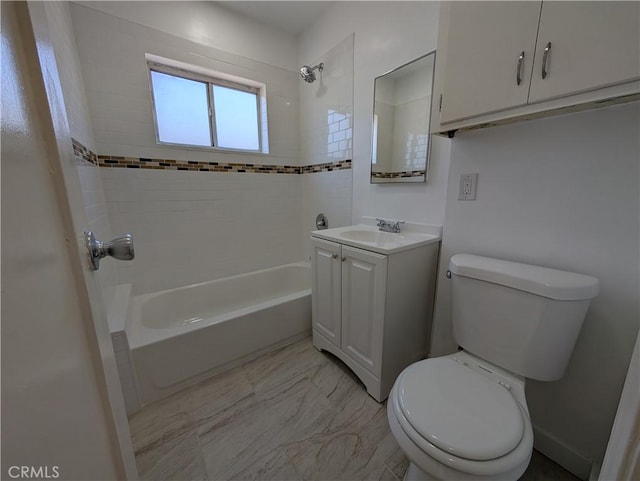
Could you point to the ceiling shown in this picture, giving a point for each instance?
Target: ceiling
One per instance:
(291, 17)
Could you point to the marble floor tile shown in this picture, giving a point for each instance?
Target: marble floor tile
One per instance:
(274, 466)
(397, 463)
(282, 365)
(294, 414)
(229, 445)
(186, 409)
(179, 458)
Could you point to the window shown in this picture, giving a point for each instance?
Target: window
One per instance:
(197, 110)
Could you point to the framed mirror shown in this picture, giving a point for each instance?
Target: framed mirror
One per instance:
(401, 122)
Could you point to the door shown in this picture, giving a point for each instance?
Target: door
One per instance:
(326, 288)
(593, 45)
(484, 44)
(62, 409)
(364, 281)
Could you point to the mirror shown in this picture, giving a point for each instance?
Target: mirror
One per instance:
(401, 122)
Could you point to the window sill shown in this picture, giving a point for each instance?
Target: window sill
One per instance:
(216, 150)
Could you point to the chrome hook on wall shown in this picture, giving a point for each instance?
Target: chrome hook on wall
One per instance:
(119, 248)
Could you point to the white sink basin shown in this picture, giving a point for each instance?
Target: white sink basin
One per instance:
(377, 237)
(372, 239)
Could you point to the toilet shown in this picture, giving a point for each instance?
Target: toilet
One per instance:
(464, 416)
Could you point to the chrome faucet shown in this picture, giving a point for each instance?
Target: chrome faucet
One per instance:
(389, 226)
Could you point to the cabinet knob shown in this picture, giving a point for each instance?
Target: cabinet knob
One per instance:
(334, 256)
(344, 259)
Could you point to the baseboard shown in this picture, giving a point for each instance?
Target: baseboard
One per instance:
(562, 454)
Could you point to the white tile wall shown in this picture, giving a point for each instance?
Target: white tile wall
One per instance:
(326, 107)
(326, 115)
(80, 126)
(188, 227)
(329, 193)
(71, 77)
(209, 23)
(192, 227)
(97, 216)
(387, 35)
(112, 55)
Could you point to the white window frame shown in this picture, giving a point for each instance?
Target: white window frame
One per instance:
(211, 79)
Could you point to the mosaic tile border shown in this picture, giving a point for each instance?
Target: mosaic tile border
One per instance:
(82, 155)
(395, 175)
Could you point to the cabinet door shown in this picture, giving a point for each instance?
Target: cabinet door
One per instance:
(593, 45)
(364, 280)
(483, 46)
(326, 289)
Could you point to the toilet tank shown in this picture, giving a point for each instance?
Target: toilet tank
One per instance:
(521, 317)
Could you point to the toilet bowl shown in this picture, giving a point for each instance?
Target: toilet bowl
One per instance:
(459, 417)
(465, 416)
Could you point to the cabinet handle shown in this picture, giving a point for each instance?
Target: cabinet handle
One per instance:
(334, 256)
(519, 69)
(545, 59)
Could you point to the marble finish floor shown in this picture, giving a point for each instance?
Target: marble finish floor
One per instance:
(294, 414)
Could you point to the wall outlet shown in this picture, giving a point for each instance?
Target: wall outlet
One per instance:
(468, 183)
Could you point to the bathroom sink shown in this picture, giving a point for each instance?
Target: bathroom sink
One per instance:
(370, 238)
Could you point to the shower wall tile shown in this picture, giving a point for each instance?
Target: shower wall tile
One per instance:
(192, 227)
(112, 55)
(80, 127)
(326, 115)
(326, 108)
(95, 205)
(329, 193)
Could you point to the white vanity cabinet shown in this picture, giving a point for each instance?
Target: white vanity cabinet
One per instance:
(504, 60)
(371, 310)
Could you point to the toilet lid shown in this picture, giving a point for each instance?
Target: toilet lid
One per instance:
(459, 410)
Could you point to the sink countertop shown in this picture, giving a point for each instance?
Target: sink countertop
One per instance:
(369, 237)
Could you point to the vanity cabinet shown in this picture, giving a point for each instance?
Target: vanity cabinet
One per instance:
(372, 311)
(503, 60)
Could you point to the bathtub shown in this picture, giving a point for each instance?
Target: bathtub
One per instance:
(180, 336)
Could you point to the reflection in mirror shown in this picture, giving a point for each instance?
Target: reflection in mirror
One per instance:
(401, 122)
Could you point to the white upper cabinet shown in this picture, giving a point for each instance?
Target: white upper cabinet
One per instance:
(589, 52)
(484, 46)
(593, 45)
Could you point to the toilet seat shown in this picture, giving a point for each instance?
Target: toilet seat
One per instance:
(420, 426)
(460, 411)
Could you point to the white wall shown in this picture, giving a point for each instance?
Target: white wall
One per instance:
(209, 24)
(112, 54)
(560, 192)
(192, 227)
(188, 226)
(71, 78)
(326, 127)
(81, 128)
(326, 107)
(387, 35)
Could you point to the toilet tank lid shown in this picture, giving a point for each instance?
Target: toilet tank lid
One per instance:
(542, 281)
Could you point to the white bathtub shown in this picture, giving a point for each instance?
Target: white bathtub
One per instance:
(183, 335)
